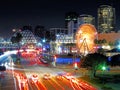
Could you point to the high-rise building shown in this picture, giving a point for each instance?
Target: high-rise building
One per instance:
(106, 19)
(82, 19)
(72, 28)
(86, 19)
(70, 16)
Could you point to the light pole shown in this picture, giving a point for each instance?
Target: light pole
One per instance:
(44, 40)
(54, 61)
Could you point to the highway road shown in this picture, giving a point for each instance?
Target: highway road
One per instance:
(54, 82)
(34, 75)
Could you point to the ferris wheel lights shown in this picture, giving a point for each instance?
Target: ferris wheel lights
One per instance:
(80, 31)
(85, 38)
(96, 32)
(81, 40)
(86, 52)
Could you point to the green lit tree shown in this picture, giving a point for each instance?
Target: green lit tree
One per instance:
(94, 62)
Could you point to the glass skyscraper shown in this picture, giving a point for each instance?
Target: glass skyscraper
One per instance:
(106, 19)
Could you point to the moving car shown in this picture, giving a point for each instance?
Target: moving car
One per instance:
(34, 78)
(47, 76)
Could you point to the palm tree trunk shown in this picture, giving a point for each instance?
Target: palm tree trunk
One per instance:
(94, 73)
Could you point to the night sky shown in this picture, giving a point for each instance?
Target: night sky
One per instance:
(49, 13)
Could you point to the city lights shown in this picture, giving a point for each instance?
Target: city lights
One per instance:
(60, 45)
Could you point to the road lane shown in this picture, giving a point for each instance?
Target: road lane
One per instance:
(7, 81)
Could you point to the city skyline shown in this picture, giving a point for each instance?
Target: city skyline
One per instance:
(16, 14)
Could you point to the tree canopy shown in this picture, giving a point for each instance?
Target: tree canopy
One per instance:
(94, 62)
(17, 38)
(115, 60)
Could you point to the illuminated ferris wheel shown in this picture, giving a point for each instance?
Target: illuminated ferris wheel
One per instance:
(85, 37)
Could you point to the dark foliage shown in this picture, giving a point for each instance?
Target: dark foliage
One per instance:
(47, 35)
(13, 39)
(93, 59)
(94, 62)
(17, 38)
(2, 68)
(115, 60)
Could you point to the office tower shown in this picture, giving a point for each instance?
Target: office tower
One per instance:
(82, 19)
(70, 16)
(86, 19)
(106, 19)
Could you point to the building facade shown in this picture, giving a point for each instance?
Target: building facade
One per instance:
(86, 19)
(112, 37)
(106, 19)
(57, 31)
(72, 28)
(82, 19)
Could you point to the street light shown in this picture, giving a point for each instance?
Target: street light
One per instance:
(54, 57)
(103, 68)
(75, 66)
(54, 61)
(44, 37)
(44, 40)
